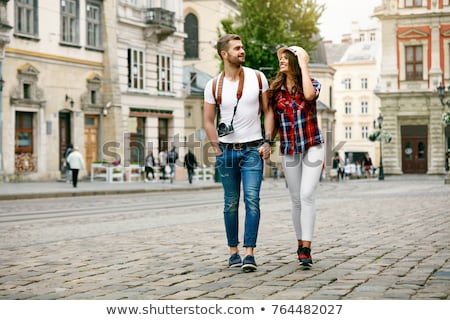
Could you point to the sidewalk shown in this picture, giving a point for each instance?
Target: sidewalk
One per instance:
(33, 190)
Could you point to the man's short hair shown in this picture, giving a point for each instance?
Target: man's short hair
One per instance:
(222, 43)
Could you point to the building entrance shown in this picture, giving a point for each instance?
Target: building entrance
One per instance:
(414, 149)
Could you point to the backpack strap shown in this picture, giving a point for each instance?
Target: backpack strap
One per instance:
(258, 75)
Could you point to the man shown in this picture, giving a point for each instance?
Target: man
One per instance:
(190, 163)
(238, 143)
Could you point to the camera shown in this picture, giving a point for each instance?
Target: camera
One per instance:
(224, 129)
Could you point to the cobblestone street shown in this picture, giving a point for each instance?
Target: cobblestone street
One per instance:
(374, 240)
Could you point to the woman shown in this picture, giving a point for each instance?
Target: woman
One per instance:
(293, 95)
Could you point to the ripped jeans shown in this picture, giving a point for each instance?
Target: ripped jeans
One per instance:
(235, 166)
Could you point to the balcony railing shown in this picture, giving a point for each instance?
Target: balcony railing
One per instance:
(161, 18)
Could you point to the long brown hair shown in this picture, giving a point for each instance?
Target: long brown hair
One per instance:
(280, 79)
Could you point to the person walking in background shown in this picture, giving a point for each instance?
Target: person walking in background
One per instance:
(76, 161)
(149, 166)
(367, 165)
(190, 163)
(68, 172)
(238, 142)
(172, 158)
(163, 163)
(338, 166)
(293, 95)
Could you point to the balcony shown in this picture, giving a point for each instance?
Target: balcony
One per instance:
(160, 23)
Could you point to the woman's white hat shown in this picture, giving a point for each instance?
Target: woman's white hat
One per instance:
(292, 49)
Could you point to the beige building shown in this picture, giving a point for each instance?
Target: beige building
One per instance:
(103, 75)
(415, 61)
(356, 61)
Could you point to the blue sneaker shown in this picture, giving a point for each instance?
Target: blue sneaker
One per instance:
(234, 261)
(249, 264)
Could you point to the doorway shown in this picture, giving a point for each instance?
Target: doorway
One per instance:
(414, 149)
(65, 136)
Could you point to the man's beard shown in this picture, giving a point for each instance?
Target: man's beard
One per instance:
(237, 61)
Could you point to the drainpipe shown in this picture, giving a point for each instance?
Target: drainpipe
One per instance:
(2, 168)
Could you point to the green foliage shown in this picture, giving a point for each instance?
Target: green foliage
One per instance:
(264, 26)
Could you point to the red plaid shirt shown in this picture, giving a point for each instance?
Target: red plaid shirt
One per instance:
(297, 120)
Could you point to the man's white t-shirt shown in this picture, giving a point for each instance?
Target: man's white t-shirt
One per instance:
(246, 123)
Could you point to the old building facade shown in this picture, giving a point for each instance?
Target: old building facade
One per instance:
(415, 62)
(108, 79)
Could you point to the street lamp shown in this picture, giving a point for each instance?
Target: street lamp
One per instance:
(380, 125)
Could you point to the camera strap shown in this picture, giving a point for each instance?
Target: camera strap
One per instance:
(219, 93)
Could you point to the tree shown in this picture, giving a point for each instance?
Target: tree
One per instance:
(265, 26)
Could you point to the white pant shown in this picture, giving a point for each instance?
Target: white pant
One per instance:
(302, 172)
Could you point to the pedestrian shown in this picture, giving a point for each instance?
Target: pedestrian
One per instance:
(338, 166)
(172, 157)
(367, 165)
(238, 142)
(149, 166)
(190, 163)
(76, 161)
(68, 172)
(163, 163)
(293, 95)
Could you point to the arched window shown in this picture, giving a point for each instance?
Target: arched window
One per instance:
(191, 42)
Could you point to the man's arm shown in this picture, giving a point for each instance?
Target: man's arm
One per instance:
(209, 116)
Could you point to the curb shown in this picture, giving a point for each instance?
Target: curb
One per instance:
(45, 195)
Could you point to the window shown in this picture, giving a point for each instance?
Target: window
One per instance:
(364, 107)
(372, 37)
(164, 73)
(27, 91)
(69, 21)
(347, 84)
(362, 37)
(364, 83)
(135, 69)
(414, 63)
(24, 132)
(348, 108)
(93, 25)
(364, 132)
(348, 132)
(26, 17)
(413, 3)
(191, 42)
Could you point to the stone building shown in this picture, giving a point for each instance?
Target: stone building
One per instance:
(103, 75)
(415, 61)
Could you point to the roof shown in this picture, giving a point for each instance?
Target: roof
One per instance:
(194, 80)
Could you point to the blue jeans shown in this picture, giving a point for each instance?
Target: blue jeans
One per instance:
(235, 166)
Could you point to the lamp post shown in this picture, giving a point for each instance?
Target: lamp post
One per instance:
(446, 119)
(379, 121)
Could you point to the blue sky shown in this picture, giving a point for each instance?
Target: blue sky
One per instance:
(339, 14)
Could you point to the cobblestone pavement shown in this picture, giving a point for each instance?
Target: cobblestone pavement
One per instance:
(374, 240)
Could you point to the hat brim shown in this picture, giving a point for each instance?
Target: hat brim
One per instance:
(283, 50)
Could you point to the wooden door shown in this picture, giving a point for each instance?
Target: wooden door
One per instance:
(90, 139)
(414, 155)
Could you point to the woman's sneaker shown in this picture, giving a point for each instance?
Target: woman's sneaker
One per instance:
(249, 264)
(234, 261)
(304, 257)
